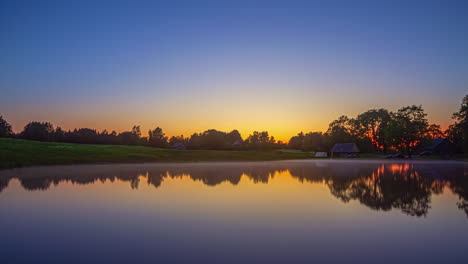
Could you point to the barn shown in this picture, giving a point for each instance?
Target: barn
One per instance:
(344, 150)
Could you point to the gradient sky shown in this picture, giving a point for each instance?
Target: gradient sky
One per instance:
(189, 66)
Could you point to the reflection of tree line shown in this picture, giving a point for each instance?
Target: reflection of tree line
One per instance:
(407, 187)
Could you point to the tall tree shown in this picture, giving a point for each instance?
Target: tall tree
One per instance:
(461, 123)
(157, 138)
(340, 131)
(136, 130)
(407, 129)
(372, 124)
(5, 128)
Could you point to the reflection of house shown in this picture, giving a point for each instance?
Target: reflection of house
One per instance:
(439, 146)
(344, 149)
(178, 146)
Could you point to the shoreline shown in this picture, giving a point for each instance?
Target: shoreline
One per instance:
(233, 162)
(16, 153)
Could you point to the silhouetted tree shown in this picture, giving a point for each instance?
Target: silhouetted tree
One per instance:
(5, 128)
(130, 137)
(455, 135)
(407, 129)
(157, 138)
(136, 131)
(59, 135)
(260, 140)
(372, 124)
(179, 139)
(234, 136)
(86, 135)
(213, 139)
(41, 131)
(296, 142)
(340, 130)
(314, 141)
(461, 125)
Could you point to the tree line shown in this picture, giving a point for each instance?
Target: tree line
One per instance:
(376, 130)
(379, 130)
(211, 139)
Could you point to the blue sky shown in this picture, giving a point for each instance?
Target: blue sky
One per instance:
(282, 66)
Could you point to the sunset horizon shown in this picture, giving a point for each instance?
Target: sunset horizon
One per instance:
(210, 131)
(279, 131)
(282, 68)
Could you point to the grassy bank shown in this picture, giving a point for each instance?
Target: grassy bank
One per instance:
(18, 153)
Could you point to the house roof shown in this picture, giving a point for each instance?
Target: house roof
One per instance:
(433, 144)
(345, 148)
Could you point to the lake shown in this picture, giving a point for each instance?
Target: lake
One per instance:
(237, 212)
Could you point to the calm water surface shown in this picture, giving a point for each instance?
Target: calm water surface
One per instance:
(262, 212)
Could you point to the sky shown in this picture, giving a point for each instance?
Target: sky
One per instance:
(189, 66)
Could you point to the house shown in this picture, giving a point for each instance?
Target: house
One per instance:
(179, 146)
(439, 146)
(344, 150)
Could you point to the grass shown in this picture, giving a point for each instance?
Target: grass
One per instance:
(19, 153)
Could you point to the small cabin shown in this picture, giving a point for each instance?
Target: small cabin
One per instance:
(439, 146)
(344, 150)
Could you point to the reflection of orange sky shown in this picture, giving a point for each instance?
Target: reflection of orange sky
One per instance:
(182, 194)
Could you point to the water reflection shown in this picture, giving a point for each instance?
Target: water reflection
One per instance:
(407, 187)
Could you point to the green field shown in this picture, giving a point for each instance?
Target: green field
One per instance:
(18, 153)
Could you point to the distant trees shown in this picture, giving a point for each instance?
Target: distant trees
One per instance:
(214, 139)
(314, 141)
(5, 128)
(296, 142)
(373, 130)
(85, 135)
(234, 136)
(179, 139)
(260, 141)
(157, 138)
(130, 137)
(41, 131)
